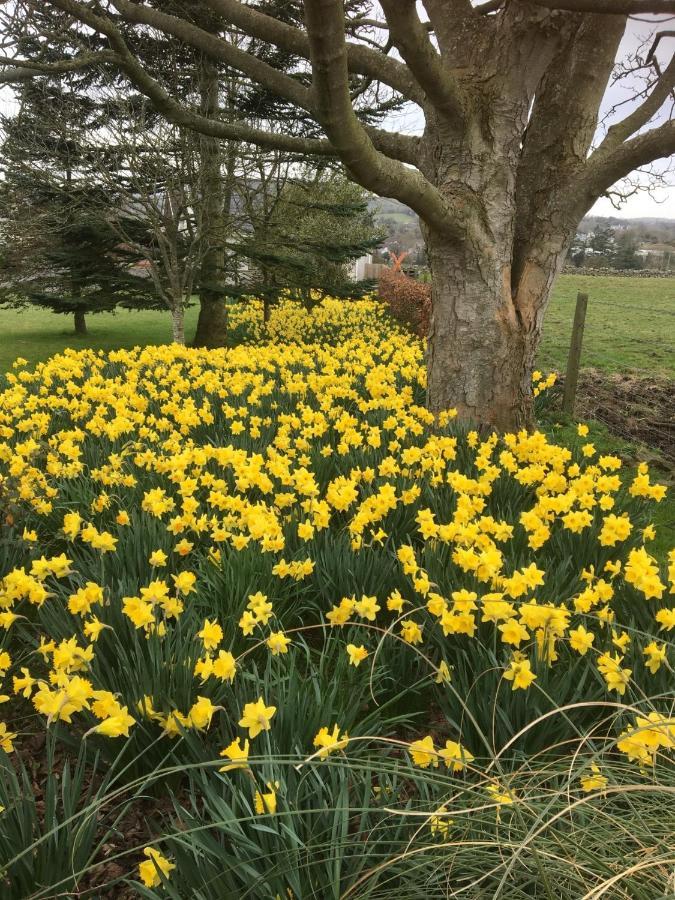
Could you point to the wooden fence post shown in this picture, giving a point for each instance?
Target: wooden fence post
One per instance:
(574, 358)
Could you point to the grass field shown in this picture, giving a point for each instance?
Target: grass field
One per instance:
(37, 334)
(630, 325)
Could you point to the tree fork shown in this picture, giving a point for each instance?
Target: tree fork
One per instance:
(480, 356)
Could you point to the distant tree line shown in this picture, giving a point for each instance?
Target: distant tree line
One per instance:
(621, 249)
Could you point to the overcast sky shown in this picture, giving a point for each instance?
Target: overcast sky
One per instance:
(661, 202)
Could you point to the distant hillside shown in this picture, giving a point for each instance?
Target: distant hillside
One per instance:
(403, 229)
(400, 222)
(650, 229)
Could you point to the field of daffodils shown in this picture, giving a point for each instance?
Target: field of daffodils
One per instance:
(269, 630)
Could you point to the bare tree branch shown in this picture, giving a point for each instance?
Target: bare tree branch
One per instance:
(412, 41)
(22, 70)
(604, 169)
(173, 110)
(612, 7)
(655, 43)
(643, 114)
(218, 49)
(397, 146)
(362, 60)
(330, 79)
(401, 147)
(368, 23)
(560, 132)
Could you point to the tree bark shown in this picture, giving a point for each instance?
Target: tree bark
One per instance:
(80, 322)
(177, 325)
(212, 322)
(491, 285)
(215, 205)
(478, 359)
(484, 336)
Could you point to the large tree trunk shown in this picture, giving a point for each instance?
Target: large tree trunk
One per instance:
(488, 298)
(479, 360)
(507, 174)
(491, 287)
(485, 332)
(76, 289)
(486, 313)
(80, 322)
(212, 321)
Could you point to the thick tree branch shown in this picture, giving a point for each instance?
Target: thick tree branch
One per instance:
(398, 146)
(618, 133)
(449, 19)
(604, 168)
(324, 20)
(362, 60)
(220, 50)
(561, 127)
(612, 7)
(402, 147)
(173, 110)
(411, 39)
(23, 70)
(651, 56)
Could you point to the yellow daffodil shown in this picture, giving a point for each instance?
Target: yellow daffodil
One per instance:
(155, 868)
(257, 717)
(356, 654)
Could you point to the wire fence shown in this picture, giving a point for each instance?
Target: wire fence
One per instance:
(637, 403)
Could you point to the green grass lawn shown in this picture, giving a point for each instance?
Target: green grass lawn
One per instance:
(37, 334)
(630, 325)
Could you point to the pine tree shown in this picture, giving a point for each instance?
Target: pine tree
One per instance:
(316, 228)
(602, 238)
(275, 252)
(70, 272)
(60, 251)
(625, 254)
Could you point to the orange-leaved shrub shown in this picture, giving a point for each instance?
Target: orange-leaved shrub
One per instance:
(409, 301)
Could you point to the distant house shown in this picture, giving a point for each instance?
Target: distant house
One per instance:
(658, 250)
(657, 256)
(364, 268)
(141, 268)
